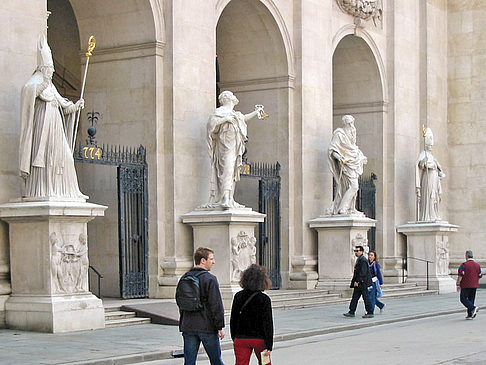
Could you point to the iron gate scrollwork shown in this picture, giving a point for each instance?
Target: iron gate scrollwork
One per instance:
(269, 204)
(132, 211)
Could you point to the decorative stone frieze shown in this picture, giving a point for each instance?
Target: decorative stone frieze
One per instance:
(363, 10)
(243, 254)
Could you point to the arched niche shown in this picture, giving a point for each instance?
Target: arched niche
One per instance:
(358, 90)
(124, 75)
(252, 61)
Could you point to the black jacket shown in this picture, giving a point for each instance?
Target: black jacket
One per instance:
(211, 318)
(361, 273)
(255, 321)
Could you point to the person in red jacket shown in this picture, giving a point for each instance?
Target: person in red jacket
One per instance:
(468, 277)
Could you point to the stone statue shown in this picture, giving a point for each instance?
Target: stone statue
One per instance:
(47, 127)
(227, 136)
(428, 174)
(346, 163)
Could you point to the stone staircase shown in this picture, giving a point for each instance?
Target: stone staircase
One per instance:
(115, 317)
(294, 299)
(281, 300)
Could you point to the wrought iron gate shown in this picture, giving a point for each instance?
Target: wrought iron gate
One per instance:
(366, 203)
(268, 176)
(132, 211)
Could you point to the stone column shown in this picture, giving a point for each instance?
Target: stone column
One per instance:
(230, 233)
(337, 236)
(429, 241)
(49, 266)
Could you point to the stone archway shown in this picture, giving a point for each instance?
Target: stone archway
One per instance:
(358, 90)
(253, 58)
(125, 75)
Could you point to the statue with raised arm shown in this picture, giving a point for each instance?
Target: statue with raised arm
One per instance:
(47, 128)
(227, 134)
(346, 163)
(428, 174)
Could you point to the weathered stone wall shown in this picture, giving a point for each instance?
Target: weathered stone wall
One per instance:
(467, 127)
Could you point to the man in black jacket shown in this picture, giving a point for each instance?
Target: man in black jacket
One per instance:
(204, 325)
(361, 283)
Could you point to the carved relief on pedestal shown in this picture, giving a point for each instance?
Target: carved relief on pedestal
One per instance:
(363, 10)
(442, 257)
(69, 264)
(360, 240)
(243, 254)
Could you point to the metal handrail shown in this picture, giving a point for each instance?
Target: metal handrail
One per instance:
(426, 267)
(99, 279)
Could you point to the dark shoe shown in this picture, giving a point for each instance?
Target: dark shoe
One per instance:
(469, 317)
(368, 315)
(475, 312)
(349, 314)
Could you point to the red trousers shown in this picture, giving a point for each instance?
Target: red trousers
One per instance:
(244, 347)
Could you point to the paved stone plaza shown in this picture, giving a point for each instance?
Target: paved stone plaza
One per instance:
(155, 342)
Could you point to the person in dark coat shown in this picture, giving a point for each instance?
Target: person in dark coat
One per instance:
(251, 320)
(206, 325)
(361, 284)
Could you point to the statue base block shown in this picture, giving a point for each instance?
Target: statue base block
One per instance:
(337, 236)
(429, 241)
(55, 314)
(49, 266)
(230, 234)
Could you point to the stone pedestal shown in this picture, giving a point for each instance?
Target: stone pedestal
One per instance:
(337, 236)
(49, 266)
(231, 234)
(429, 241)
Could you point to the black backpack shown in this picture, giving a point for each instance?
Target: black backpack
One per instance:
(188, 292)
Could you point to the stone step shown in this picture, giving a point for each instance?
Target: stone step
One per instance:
(126, 322)
(295, 293)
(410, 293)
(113, 315)
(308, 300)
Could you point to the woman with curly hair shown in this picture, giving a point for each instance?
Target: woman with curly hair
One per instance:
(251, 320)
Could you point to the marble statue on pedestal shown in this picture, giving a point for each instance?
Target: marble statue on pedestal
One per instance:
(47, 128)
(428, 174)
(346, 163)
(227, 136)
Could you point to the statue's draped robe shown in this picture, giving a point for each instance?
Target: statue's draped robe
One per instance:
(226, 142)
(344, 174)
(46, 136)
(428, 181)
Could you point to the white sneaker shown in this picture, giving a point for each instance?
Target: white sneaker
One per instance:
(382, 309)
(475, 312)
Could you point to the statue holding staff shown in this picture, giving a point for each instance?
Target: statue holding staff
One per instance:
(47, 131)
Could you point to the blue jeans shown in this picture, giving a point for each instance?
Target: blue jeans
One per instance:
(374, 299)
(210, 341)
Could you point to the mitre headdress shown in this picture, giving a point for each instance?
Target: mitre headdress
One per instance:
(44, 55)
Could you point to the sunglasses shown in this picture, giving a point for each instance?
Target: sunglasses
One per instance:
(356, 250)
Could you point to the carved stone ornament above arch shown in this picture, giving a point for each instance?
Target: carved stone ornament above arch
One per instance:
(363, 10)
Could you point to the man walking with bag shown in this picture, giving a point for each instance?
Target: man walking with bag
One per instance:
(361, 283)
(201, 309)
(468, 277)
